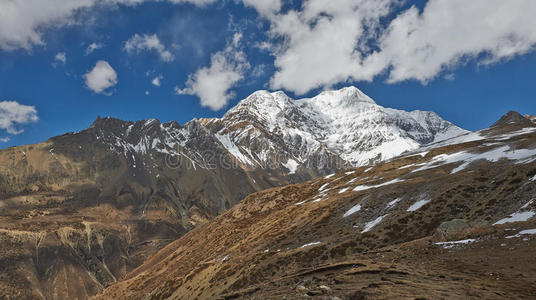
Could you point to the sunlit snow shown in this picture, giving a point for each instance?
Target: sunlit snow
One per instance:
(466, 158)
(352, 210)
(343, 190)
(392, 203)
(454, 243)
(415, 206)
(291, 166)
(516, 217)
(523, 232)
(366, 187)
(310, 244)
(373, 223)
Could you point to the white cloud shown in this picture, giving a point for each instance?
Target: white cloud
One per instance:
(319, 47)
(147, 93)
(327, 44)
(23, 22)
(264, 7)
(145, 42)
(157, 80)
(212, 83)
(61, 57)
(92, 47)
(422, 45)
(14, 114)
(101, 77)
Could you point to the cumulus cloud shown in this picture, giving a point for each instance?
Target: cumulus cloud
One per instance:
(14, 114)
(92, 47)
(157, 80)
(22, 21)
(61, 57)
(101, 78)
(145, 42)
(421, 45)
(212, 83)
(321, 41)
(414, 45)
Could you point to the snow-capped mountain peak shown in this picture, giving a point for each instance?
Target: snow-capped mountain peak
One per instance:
(330, 131)
(346, 123)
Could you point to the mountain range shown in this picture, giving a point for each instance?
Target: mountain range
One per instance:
(453, 220)
(83, 210)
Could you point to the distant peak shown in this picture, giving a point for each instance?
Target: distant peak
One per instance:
(102, 121)
(513, 117)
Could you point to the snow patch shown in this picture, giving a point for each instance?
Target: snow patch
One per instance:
(527, 204)
(310, 244)
(323, 186)
(366, 187)
(423, 154)
(466, 158)
(523, 232)
(510, 135)
(343, 190)
(392, 203)
(373, 223)
(516, 217)
(291, 166)
(352, 210)
(225, 140)
(415, 206)
(454, 243)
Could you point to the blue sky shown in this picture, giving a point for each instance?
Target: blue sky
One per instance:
(471, 74)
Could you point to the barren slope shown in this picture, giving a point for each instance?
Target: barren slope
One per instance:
(367, 232)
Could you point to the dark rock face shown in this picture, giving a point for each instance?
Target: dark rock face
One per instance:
(513, 117)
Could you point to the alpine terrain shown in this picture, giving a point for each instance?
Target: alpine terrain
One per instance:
(81, 210)
(451, 220)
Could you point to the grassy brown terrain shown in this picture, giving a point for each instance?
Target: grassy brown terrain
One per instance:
(78, 212)
(301, 241)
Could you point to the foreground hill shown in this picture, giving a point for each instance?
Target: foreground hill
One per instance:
(81, 210)
(452, 220)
